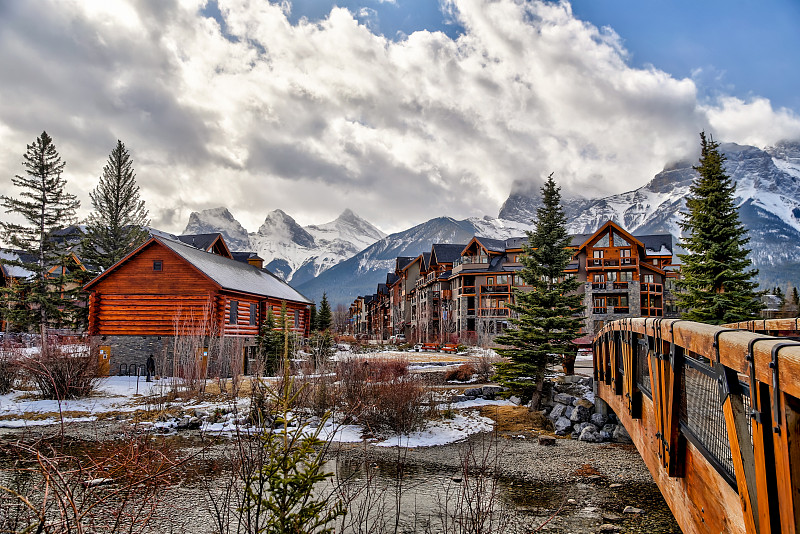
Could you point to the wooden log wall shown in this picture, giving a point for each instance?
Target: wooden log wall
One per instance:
(148, 315)
(756, 384)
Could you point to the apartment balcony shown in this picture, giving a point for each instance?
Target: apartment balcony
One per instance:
(447, 294)
(611, 310)
(466, 290)
(504, 288)
(470, 263)
(601, 263)
(611, 287)
(652, 288)
(494, 312)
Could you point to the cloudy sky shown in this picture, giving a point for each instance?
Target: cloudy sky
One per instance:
(399, 109)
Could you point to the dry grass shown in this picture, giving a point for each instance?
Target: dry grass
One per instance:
(586, 470)
(516, 419)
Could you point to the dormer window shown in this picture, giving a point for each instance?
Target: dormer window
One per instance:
(158, 265)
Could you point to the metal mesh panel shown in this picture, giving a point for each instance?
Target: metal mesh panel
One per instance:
(643, 371)
(747, 409)
(702, 416)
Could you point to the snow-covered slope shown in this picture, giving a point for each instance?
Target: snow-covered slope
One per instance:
(361, 274)
(767, 191)
(288, 249)
(299, 254)
(219, 220)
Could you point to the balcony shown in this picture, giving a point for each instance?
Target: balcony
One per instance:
(494, 312)
(601, 263)
(651, 288)
(504, 288)
(470, 262)
(610, 286)
(466, 290)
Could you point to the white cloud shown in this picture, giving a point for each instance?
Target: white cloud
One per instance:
(315, 117)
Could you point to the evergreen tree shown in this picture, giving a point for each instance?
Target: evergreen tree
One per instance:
(549, 316)
(47, 297)
(117, 224)
(795, 297)
(313, 324)
(269, 344)
(324, 316)
(717, 282)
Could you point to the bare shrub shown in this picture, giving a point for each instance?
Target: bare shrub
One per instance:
(397, 405)
(82, 487)
(63, 371)
(484, 367)
(462, 373)
(9, 368)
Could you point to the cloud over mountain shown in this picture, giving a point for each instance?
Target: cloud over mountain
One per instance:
(255, 113)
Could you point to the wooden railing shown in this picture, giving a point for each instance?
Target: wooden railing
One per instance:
(715, 414)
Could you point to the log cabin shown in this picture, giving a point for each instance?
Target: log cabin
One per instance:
(175, 288)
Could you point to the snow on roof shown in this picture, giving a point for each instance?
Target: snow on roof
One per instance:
(235, 275)
(14, 271)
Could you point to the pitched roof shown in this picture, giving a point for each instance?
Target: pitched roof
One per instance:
(243, 256)
(402, 261)
(655, 245)
(492, 245)
(234, 275)
(201, 241)
(446, 253)
(426, 261)
(15, 271)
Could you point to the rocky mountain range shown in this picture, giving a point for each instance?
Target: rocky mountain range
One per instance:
(767, 191)
(294, 252)
(349, 256)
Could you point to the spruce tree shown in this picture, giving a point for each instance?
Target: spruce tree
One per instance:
(324, 316)
(269, 344)
(795, 297)
(47, 296)
(549, 316)
(717, 281)
(117, 224)
(313, 325)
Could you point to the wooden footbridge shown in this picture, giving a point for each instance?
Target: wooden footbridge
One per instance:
(715, 413)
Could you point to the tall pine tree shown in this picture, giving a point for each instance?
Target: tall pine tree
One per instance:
(717, 281)
(117, 224)
(549, 315)
(47, 296)
(324, 316)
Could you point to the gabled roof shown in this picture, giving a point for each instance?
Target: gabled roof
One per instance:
(426, 261)
(227, 273)
(445, 252)
(413, 261)
(382, 289)
(402, 262)
(492, 245)
(14, 271)
(243, 256)
(207, 242)
(617, 228)
(391, 278)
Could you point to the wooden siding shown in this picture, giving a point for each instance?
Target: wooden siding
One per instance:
(136, 276)
(142, 314)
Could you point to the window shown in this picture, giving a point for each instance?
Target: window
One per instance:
(603, 241)
(502, 279)
(599, 279)
(626, 276)
(158, 265)
(597, 257)
(612, 276)
(620, 241)
(518, 281)
(253, 314)
(233, 318)
(490, 281)
(647, 278)
(297, 318)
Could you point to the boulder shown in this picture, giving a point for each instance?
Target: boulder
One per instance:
(557, 411)
(621, 435)
(547, 441)
(591, 434)
(584, 403)
(563, 425)
(599, 420)
(514, 399)
(632, 510)
(568, 411)
(577, 428)
(564, 398)
(490, 391)
(458, 398)
(473, 392)
(580, 414)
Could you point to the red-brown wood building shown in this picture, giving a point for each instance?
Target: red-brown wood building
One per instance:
(179, 285)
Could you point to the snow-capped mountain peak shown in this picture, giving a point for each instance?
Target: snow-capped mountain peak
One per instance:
(219, 220)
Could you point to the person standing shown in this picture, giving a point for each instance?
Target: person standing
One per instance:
(151, 368)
